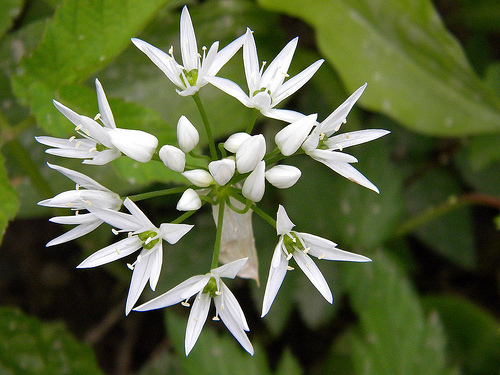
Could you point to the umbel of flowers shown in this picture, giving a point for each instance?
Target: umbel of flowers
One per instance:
(232, 180)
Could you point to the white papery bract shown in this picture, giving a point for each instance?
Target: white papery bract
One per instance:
(299, 246)
(142, 235)
(187, 135)
(100, 144)
(193, 74)
(267, 88)
(321, 146)
(207, 287)
(172, 157)
(88, 191)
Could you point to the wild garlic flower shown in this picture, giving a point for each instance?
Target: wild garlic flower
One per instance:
(300, 246)
(142, 234)
(99, 145)
(193, 74)
(327, 149)
(266, 89)
(87, 191)
(207, 287)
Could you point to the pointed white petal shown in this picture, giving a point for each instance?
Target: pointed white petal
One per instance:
(341, 141)
(283, 222)
(313, 273)
(286, 115)
(79, 178)
(290, 138)
(229, 270)
(173, 232)
(196, 320)
(104, 157)
(232, 324)
(104, 108)
(187, 135)
(175, 295)
(189, 48)
(157, 260)
(250, 153)
(325, 249)
(333, 122)
(222, 170)
(230, 88)
(295, 83)
(112, 252)
(71, 115)
(206, 65)
(224, 55)
(255, 184)
(330, 155)
(138, 215)
(251, 63)
(65, 143)
(76, 232)
(189, 201)
(277, 273)
(283, 176)
(94, 130)
(75, 219)
(140, 276)
(233, 307)
(173, 158)
(116, 219)
(277, 71)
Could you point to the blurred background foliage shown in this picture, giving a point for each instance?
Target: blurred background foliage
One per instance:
(428, 304)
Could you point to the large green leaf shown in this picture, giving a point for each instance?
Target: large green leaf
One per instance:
(395, 337)
(416, 70)
(8, 200)
(28, 346)
(474, 340)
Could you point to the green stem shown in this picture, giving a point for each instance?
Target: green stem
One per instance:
(250, 126)
(206, 123)
(183, 217)
(159, 193)
(218, 236)
(263, 215)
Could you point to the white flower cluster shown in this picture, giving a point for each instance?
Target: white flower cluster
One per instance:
(233, 177)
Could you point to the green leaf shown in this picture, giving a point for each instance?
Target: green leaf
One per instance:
(217, 354)
(417, 72)
(8, 200)
(9, 10)
(28, 346)
(452, 234)
(83, 37)
(474, 340)
(394, 337)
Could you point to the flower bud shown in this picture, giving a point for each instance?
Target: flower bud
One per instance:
(187, 135)
(136, 144)
(290, 138)
(235, 141)
(173, 158)
(250, 153)
(199, 177)
(283, 176)
(254, 185)
(222, 170)
(189, 201)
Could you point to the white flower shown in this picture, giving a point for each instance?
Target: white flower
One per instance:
(235, 140)
(199, 177)
(207, 287)
(250, 153)
(190, 76)
(190, 201)
(255, 183)
(142, 234)
(92, 192)
(222, 170)
(187, 135)
(136, 144)
(283, 176)
(173, 158)
(266, 89)
(290, 138)
(321, 146)
(300, 246)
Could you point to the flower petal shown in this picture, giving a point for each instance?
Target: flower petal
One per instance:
(112, 252)
(189, 201)
(232, 305)
(325, 249)
(250, 153)
(290, 138)
(79, 178)
(173, 158)
(277, 273)
(230, 88)
(222, 170)
(251, 63)
(283, 222)
(277, 70)
(104, 108)
(198, 177)
(283, 176)
(341, 141)
(187, 135)
(189, 48)
(71, 115)
(313, 273)
(255, 184)
(196, 320)
(136, 144)
(229, 270)
(76, 232)
(140, 276)
(173, 232)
